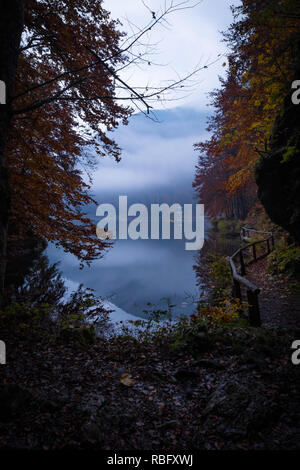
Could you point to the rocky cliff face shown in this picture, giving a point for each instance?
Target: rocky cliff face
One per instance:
(278, 171)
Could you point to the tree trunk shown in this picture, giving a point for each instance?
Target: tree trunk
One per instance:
(11, 27)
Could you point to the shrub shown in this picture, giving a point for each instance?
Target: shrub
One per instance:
(285, 260)
(228, 227)
(82, 318)
(21, 318)
(84, 335)
(193, 333)
(220, 277)
(40, 307)
(42, 285)
(188, 334)
(228, 312)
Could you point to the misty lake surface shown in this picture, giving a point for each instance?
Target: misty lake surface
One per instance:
(157, 166)
(135, 273)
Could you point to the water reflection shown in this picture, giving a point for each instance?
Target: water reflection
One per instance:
(137, 273)
(157, 167)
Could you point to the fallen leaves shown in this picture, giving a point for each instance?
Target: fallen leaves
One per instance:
(134, 399)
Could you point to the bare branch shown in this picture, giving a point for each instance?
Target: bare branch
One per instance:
(48, 100)
(136, 94)
(115, 75)
(158, 19)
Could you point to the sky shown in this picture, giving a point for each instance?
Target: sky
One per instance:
(156, 157)
(159, 155)
(192, 38)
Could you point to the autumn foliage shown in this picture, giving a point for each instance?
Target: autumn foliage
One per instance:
(263, 51)
(64, 104)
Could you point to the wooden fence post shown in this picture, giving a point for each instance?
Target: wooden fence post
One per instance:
(239, 281)
(254, 314)
(237, 290)
(242, 262)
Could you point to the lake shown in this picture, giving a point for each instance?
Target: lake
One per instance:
(158, 166)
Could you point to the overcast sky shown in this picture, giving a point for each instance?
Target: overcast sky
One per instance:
(192, 38)
(160, 155)
(156, 157)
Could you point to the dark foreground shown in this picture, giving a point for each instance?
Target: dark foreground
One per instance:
(233, 389)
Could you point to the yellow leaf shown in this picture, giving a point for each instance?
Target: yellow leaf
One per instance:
(126, 379)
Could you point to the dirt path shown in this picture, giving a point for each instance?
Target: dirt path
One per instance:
(279, 306)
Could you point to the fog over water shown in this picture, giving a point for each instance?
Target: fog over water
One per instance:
(158, 161)
(157, 166)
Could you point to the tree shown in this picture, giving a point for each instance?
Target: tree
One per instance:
(66, 100)
(11, 26)
(222, 155)
(261, 66)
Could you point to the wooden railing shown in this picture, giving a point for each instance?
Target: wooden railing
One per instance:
(242, 258)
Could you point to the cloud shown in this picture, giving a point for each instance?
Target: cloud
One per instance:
(154, 155)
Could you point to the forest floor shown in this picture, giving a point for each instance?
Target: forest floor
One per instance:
(231, 388)
(279, 303)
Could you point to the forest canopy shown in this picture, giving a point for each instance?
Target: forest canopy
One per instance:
(263, 42)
